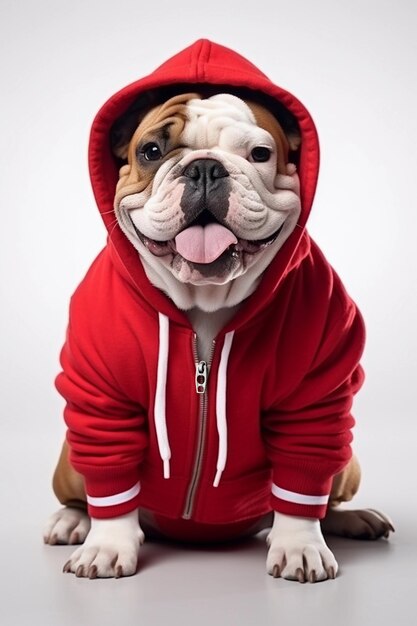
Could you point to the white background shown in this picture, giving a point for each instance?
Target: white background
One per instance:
(352, 63)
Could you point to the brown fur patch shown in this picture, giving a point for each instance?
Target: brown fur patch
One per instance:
(268, 122)
(171, 116)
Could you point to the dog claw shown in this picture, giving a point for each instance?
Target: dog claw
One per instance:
(300, 575)
(119, 571)
(312, 577)
(331, 573)
(80, 571)
(92, 572)
(384, 518)
(67, 567)
(276, 572)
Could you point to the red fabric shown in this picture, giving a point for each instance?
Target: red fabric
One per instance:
(292, 371)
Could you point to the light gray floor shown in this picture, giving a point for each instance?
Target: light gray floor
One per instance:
(177, 585)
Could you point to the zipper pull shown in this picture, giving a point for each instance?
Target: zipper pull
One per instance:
(201, 376)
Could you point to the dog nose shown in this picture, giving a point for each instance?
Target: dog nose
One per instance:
(205, 171)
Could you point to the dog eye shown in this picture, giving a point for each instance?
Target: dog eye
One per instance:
(151, 152)
(260, 154)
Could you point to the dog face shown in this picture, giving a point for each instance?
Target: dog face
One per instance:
(207, 189)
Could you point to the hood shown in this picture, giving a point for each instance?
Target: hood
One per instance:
(202, 63)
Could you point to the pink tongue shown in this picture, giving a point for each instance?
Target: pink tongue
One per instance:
(204, 244)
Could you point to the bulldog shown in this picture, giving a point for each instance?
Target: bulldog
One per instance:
(208, 196)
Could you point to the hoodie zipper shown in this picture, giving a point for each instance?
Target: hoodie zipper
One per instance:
(201, 379)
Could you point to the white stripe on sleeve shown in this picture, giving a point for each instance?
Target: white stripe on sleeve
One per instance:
(298, 498)
(118, 498)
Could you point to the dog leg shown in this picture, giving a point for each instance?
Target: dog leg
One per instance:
(297, 550)
(111, 546)
(110, 550)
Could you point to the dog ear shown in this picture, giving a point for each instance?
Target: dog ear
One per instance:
(294, 139)
(124, 127)
(122, 132)
(121, 135)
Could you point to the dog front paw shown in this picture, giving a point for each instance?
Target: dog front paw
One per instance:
(297, 551)
(110, 550)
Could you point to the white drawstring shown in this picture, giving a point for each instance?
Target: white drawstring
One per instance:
(221, 407)
(160, 400)
(160, 394)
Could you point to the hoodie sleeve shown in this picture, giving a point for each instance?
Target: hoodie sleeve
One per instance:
(308, 433)
(106, 424)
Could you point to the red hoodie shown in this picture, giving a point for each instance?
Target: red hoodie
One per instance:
(272, 426)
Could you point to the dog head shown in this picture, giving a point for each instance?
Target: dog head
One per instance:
(207, 192)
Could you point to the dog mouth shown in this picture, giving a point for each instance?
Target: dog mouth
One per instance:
(205, 241)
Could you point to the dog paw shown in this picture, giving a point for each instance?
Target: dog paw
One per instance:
(67, 526)
(367, 524)
(297, 551)
(110, 550)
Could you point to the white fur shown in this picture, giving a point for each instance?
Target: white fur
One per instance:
(110, 550)
(297, 550)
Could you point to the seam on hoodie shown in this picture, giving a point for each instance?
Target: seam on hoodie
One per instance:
(194, 63)
(201, 58)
